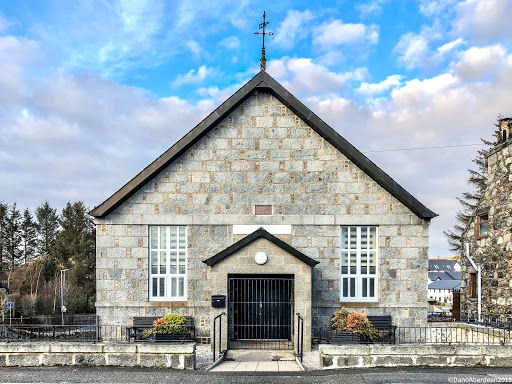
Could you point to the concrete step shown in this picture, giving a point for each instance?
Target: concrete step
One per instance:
(244, 355)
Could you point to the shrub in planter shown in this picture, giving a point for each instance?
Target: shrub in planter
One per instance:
(354, 322)
(170, 323)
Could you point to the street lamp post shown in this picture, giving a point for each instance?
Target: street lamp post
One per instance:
(62, 307)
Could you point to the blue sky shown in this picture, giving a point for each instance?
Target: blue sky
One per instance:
(93, 91)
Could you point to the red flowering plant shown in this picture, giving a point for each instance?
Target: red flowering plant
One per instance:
(170, 323)
(354, 322)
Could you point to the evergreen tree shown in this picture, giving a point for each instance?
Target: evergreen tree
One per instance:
(28, 235)
(47, 227)
(12, 236)
(75, 249)
(3, 215)
(469, 200)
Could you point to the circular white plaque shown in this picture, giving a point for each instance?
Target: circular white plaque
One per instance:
(261, 258)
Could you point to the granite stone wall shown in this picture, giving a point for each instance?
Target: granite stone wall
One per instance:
(261, 154)
(493, 253)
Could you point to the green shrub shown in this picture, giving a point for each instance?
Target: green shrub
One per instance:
(170, 323)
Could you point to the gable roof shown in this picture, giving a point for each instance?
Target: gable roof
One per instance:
(260, 233)
(435, 265)
(452, 275)
(444, 284)
(263, 81)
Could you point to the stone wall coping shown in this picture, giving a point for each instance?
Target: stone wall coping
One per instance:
(414, 349)
(61, 347)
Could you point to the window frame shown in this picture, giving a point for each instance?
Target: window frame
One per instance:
(168, 276)
(473, 285)
(479, 223)
(359, 276)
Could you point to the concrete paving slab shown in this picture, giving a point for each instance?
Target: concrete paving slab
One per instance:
(246, 366)
(287, 366)
(267, 366)
(226, 366)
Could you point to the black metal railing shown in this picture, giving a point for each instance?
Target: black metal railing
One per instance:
(494, 320)
(300, 336)
(69, 319)
(214, 345)
(94, 333)
(451, 334)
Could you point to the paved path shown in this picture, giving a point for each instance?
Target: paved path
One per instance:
(257, 366)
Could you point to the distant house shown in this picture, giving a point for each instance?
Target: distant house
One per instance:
(433, 276)
(442, 290)
(488, 238)
(443, 265)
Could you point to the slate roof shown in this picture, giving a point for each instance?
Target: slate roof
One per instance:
(444, 284)
(263, 81)
(453, 275)
(260, 233)
(439, 265)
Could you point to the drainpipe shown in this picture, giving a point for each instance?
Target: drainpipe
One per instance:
(479, 271)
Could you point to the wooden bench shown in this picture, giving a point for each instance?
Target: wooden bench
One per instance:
(385, 327)
(144, 323)
(381, 323)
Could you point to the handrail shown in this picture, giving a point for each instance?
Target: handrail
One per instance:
(220, 335)
(300, 336)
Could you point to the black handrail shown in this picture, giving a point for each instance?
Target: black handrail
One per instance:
(214, 335)
(300, 336)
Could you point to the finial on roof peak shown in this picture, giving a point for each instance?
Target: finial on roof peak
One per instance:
(263, 60)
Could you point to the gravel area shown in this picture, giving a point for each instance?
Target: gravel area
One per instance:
(204, 356)
(311, 359)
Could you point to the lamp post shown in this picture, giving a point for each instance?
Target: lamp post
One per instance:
(62, 307)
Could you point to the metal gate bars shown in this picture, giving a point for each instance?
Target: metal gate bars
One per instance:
(261, 311)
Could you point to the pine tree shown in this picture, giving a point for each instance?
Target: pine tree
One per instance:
(12, 236)
(3, 215)
(47, 227)
(469, 200)
(28, 235)
(75, 249)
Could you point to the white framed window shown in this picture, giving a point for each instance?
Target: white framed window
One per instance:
(167, 263)
(359, 264)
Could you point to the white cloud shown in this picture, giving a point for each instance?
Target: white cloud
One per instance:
(477, 62)
(193, 47)
(415, 50)
(231, 42)
(371, 89)
(435, 7)
(450, 46)
(293, 28)
(193, 76)
(335, 33)
(485, 21)
(371, 8)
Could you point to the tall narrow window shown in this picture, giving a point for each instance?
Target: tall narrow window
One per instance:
(359, 257)
(482, 225)
(474, 291)
(168, 263)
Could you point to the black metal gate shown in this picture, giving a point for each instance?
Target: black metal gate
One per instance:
(260, 312)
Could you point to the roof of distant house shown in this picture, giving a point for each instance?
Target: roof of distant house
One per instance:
(436, 265)
(444, 284)
(452, 275)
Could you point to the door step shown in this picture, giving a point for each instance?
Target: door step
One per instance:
(258, 355)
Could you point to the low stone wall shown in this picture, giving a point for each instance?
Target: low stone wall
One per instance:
(174, 356)
(351, 356)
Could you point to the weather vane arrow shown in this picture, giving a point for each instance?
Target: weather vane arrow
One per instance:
(263, 60)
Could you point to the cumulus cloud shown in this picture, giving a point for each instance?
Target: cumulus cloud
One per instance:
(478, 62)
(484, 21)
(293, 28)
(415, 49)
(435, 7)
(370, 8)
(193, 76)
(230, 42)
(445, 48)
(370, 89)
(336, 33)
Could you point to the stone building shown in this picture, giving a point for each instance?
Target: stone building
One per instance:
(489, 236)
(265, 204)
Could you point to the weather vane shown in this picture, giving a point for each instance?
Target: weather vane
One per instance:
(263, 60)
